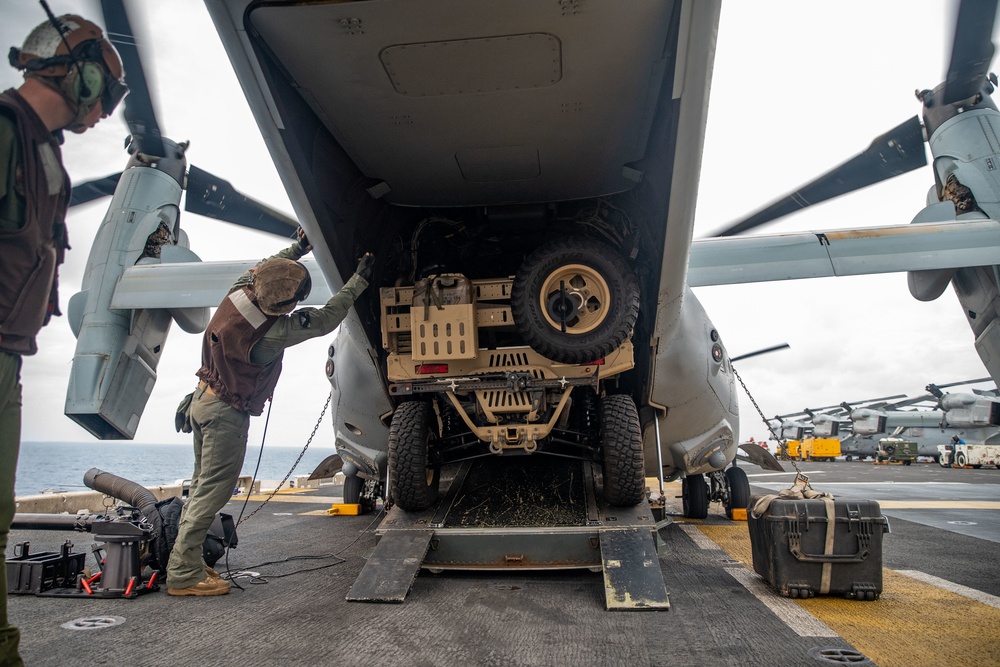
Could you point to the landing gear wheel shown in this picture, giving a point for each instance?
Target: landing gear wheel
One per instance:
(739, 490)
(694, 493)
(621, 440)
(355, 489)
(413, 475)
(353, 485)
(960, 460)
(575, 300)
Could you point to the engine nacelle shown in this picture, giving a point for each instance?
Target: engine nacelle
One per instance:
(970, 410)
(117, 351)
(868, 422)
(825, 426)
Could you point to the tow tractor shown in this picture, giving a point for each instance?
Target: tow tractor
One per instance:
(969, 456)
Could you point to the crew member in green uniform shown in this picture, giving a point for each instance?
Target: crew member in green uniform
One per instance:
(73, 77)
(241, 361)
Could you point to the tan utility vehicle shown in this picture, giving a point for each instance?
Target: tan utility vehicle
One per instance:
(514, 366)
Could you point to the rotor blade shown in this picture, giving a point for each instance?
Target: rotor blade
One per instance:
(896, 152)
(961, 382)
(971, 51)
(906, 402)
(91, 190)
(140, 113)
(215, 197)
(773, 348)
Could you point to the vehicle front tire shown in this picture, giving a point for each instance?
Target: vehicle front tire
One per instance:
(621, 442)
(414, 478)
(580, 285)
(960, 460)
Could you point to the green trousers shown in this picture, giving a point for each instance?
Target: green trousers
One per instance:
(220, 444)
(10, 443)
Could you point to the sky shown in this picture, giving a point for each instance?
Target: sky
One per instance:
(798, 88)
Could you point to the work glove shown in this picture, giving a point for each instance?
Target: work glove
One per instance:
(182, 420)
(304, 246)
(366, 266)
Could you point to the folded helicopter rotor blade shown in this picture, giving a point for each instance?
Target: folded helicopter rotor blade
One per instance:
(215, 197)
(773, 348)
(960, 383)
(972, 50)
(140, 113)
(91, 190)
(896, 152)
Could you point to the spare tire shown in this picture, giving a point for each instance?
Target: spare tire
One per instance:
(575, 300)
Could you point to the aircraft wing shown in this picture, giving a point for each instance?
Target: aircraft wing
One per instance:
(195, 284)
(913, 247)
(716, 261)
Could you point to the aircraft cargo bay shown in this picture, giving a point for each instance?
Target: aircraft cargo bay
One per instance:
(940, 603)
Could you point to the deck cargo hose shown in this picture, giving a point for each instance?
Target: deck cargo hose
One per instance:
(125, 490)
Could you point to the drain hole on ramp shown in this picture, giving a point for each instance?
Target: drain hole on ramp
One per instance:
(93, 623)
(839, 656)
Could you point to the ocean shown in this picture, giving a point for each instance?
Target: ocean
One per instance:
(61, 465)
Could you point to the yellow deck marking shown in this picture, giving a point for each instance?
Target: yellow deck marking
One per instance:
(939, 504)
(279, 498)
(892, 631)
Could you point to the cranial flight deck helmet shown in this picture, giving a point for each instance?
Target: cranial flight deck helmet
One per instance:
(279, 284)
(77, 61)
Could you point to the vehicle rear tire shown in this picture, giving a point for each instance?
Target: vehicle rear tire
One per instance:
(579, 282)
(739, 490)
(694, 493)
(414, 477)
(621, 442)
(960, 460)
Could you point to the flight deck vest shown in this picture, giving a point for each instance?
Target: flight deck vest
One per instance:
(236, 327)
(31, 255)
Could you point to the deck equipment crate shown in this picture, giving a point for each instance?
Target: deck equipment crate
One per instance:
(33, 574)
(819, 546)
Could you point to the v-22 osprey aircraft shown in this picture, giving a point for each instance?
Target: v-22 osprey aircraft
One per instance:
(526, 174)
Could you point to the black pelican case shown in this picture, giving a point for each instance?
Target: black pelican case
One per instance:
(789, 543)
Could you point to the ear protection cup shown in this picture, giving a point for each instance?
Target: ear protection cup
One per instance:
(84, 83)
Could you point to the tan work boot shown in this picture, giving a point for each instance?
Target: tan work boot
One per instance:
(212, 574)
(209, 586)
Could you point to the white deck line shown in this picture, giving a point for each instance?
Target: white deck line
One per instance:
(957, 589)
(792, 614)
